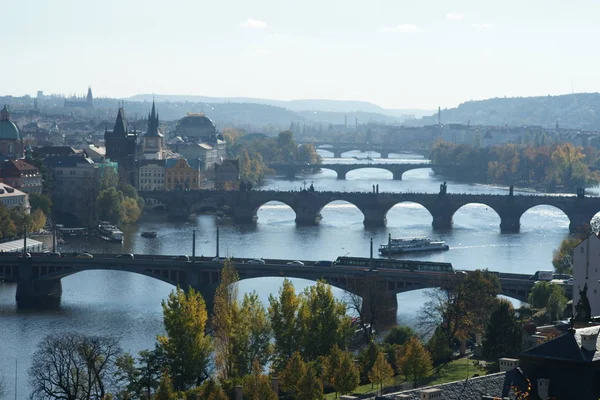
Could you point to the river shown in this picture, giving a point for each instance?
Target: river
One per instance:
(128, 306)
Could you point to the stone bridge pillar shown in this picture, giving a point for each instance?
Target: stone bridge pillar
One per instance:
(244, 214)
(337, 153)
(35, 293)
(384, 154)
(306, 215)
(510, 222)
(442, 218)
(374, 216)
(579, 220)
(398, 174)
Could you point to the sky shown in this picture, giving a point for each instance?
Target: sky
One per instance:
(394, 53)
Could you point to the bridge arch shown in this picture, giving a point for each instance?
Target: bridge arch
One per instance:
(153, 204)
(388, 174)
(407, 208)
(480, 211)
(344, 208)
(544, 215)
(277, 204)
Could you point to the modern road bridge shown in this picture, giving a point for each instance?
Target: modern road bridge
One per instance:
(39, 278)
(243, 205)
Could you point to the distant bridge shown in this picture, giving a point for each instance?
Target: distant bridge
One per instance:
(39, 278)
(339, 148)
(243, 206)
(291, 170)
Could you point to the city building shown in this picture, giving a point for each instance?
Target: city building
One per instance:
(180, 175)
(80, 102)
(227, 175)
(11, 197)
(120, 147)
(21, 176)
(11, 143)
(151, 175)
(97, 154)
(203, 152)
(196, 127)
(154, 141)
(75, 186)
(586, 262)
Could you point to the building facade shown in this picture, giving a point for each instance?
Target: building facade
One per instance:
(21, 176)
(227, 175)
(121, 146)
(11, 143)
(11, 197)
(154, 142)
(203, 152)
(179, 175)
(151, 175)
(586, 263)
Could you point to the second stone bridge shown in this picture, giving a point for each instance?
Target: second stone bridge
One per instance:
(244, 205)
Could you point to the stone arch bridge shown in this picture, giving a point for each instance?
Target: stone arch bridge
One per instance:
(397, 169)
(243, 206)
(39, 278)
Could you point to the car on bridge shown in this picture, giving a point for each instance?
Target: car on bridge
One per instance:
(299, 263)
(128, 256)
(24, 255)
(54, 254)
(324, 263)
(256, 261)
(220, 259)
(181, 258)
(84, 255)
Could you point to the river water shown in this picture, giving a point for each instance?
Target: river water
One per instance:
(128, 306)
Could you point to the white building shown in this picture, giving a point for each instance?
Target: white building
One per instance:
(151, 175)
(11, 197)
(586, 262)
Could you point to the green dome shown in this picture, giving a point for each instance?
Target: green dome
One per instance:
(8, 130)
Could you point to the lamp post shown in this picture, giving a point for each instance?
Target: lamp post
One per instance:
(194, 245)
(217, 241)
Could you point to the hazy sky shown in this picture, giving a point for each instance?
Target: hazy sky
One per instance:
(396, 53)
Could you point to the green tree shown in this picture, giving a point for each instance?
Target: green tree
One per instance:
(541, 292)
(323, 321)
(438, 347)
(165, 389)
(8, 228)
(41, 202)
(108, 205)
(38, 220)
(140, 378)
(399, 334)
(209, 390)
(562, 258)
(186, 347)
(130, 210)
(367, 359)
(340, 371)
(503, 333)
(291, 376)
(254, 336)
(227, 329)
(109, 179)
(381, 372)
(414, 361)
(556, 305)
(257, 386)
(283, 314)
(311, 387)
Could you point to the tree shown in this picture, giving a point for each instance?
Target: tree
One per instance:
(254, 335)
(341, 371)
(562, 258)
(438, 347)
(186, 347)
(39, 201)
(323, 321)
(381, 372)
(225, 323)
(556, 305)
(141, 378)
(130, 210)
(7, 226)
(291, 376)
(541, 292)
(73, 366)
(283, 312)
(209, 390)
(38, 221)
(165, 389)
(108, 205)
(257, 386)
(503, 333)
(399, 334)
(414, 360)
(311, 387)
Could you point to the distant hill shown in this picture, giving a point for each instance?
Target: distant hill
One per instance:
(581, 110)
(332, 106)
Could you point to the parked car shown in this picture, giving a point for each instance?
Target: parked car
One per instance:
(220, 259)
(255, 261)
(84, 255)
(129, 256)
(181, 258)
(53, 254)
(295, 263)
(324, 263)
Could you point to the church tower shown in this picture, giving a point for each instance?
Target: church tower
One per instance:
(120, 146)
(90, 98)
(154, 141)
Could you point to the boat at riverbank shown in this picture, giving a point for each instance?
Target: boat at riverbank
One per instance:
(412, 245)
(110, 232)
